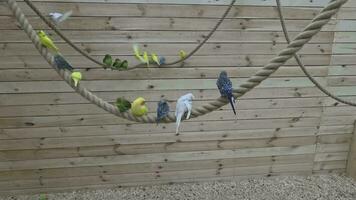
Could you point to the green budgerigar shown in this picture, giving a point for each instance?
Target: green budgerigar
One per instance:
(122, 104)
(107, 61)
(47, 41)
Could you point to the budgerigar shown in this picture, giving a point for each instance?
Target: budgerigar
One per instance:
(76, 77)
(182, 54)
(122, 104)
(46, 41)
(184, 104)
(138, 53)
(107, 60)
(162, 110)
(62, 63)
(138, 107)
(155, 58)
(146, 58)
(60, 17)
(162, 60)
(120, 65)
(225, 87)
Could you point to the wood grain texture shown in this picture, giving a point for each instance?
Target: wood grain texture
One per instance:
(51, 139)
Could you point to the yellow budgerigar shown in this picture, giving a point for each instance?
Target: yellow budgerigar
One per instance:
(137, 53)
(155, 58)
(182, 54)
(76, 77)
(138, 107)
(46, 41)
(146, 58)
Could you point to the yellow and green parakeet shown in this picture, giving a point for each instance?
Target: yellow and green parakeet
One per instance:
(138, 107)
(146, 58)
(137, 53)
(76, 77)
(155, 58)
(46, 41)
(182, 54)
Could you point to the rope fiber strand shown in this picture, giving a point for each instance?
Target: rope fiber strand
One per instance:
(301, 64)
(280, 59)
(85, 54)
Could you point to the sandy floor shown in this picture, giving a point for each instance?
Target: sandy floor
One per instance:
(331, 187)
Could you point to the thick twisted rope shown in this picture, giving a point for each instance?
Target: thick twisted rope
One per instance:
(302, 38)
(301, 64)
(85, 54)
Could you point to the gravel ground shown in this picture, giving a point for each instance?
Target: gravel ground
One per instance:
(321, 187)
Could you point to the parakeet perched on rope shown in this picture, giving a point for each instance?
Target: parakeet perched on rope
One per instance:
(120, 65)
(146, 58)
(182, 54)
(155, 58)
(162, 60)
(107, 61)
(162, 110)
(122, 104)
(60, 17)
(184, 104)
(138, 107)
(138, 53)
(76, 77)
(225, 88)
(62, 63)
(46, 41)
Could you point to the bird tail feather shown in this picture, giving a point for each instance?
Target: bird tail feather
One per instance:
(179, 117)
(232, 100)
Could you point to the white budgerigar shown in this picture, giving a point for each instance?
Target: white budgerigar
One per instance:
(60, 17)
(184, 104)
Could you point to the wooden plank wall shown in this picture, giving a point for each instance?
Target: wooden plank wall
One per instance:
(51, 139)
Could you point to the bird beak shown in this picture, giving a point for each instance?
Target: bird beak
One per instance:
(143, 103)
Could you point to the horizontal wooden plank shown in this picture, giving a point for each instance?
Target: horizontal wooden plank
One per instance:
(342, 70)
(117, 149)
(166, 49)
(162, 24)
(306, 3)
(136, 85)
(162, 37)
(340, 147)
(152, 167)
(73, 98)
(345, 37)
(344, 48)
(155, 73)
(166, 10)
(74, 109)
(109, 119)
(90, 109)
(158, 157)
(337, 120)
(343, 59)
(341, 156)
(75, 181)
(14, 62)
(157, 142)
(331, 130)
(149, 183)
(335, 139)
(339, 164)
(62, 132)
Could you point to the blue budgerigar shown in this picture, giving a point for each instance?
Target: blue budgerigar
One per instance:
(62, 63)
(225, 87)
(162, 110)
